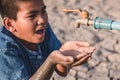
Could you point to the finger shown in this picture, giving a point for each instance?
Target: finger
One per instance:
(66, 64)
(78, 57)
(86, 49)
(90, 56)
(78, 43)
(58, 57)
(66, 59)
(81, 61)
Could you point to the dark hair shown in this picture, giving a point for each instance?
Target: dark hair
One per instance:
(9, 8)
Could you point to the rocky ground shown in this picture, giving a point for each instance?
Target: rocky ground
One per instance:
(106, 59)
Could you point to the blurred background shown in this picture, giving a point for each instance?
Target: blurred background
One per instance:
(105, 61)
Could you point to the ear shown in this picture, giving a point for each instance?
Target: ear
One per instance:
(9, 24)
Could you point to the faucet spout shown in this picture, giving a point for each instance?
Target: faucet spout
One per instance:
(86, 22)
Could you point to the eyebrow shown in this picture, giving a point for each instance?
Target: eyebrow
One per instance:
(33, 12)
(36, 11)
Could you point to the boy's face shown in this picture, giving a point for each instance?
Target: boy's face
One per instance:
(31, 21)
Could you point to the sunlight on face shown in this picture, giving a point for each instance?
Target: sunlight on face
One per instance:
(27, 27)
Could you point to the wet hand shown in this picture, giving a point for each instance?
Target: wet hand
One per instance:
(80, 51)
(58, 58)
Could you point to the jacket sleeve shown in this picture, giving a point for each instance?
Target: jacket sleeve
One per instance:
(11, 65)
(54, 43)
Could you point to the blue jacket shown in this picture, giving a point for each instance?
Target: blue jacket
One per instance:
(18, 63)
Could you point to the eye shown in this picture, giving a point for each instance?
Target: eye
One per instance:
(43, 9)
(32, 16)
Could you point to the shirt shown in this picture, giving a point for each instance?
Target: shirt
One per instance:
(19, 63)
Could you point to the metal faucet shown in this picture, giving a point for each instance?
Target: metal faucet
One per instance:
(97, 23)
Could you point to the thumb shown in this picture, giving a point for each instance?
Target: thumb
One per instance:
(67, 61)
(70, 58)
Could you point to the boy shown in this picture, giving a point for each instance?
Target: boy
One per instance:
(27, 41)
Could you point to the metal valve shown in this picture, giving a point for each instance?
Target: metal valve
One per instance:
(97, 23)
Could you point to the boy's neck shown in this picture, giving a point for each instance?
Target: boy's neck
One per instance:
(30, 46)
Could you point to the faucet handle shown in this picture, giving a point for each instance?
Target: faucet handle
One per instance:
(83, 13)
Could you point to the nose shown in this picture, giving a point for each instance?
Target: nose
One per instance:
(42, 20)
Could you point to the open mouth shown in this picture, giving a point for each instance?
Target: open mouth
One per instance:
(40, 31)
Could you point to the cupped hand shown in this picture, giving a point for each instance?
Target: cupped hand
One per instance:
(73, 45)
(74, 48)
(58, 58)
(72, 53)
(80, 51)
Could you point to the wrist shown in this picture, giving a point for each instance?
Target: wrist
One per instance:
(50, 60)
(54, 56)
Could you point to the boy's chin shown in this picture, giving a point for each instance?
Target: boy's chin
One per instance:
(37, 40)
(40, 41)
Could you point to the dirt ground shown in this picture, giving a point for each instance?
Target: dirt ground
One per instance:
(105, 60)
